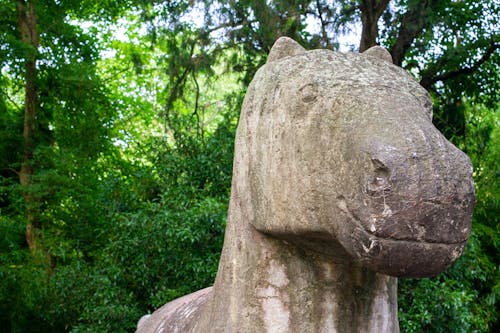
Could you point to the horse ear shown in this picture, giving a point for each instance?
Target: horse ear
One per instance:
(284, 47)
(379, 52)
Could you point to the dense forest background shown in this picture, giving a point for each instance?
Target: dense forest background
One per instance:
(117, 121)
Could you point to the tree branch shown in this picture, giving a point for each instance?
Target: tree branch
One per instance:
(196, 105)
(178, 86)
(469, 70)
(413, 23)
(232, 24)
(324, 35)
(12, 170)
(10, 99)
(430, 76)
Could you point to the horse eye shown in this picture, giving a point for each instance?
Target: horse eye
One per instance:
(309, 92)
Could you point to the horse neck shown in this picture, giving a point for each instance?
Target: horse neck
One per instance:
(269, 285)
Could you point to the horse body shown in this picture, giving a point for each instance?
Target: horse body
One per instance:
(340, 184)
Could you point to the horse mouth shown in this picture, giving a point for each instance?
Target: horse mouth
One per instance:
(435, 220)
(431, 221)
(406, 258)
(417, 242)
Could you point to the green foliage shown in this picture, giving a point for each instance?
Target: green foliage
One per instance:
(23, 290)
(162, 253)
(91, 300)
(452, 302)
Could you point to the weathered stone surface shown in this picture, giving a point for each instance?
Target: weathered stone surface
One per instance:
(166, 318)
(284, 47)
(379, 52)
(341, 184)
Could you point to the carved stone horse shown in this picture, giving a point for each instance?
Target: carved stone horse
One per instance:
(341, 184)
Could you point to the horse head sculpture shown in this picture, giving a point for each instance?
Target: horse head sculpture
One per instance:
(340, 184)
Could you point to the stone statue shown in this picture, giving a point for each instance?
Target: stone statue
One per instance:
(341, 184)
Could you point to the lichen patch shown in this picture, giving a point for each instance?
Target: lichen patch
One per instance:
(277, 275)
(276, 315)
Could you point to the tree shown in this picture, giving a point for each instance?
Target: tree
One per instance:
(56, 117)
(27, 24)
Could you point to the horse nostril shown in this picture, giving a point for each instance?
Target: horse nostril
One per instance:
(378, 184)
(380, 181)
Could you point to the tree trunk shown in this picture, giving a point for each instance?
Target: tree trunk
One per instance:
(371, 10)
(29, 35)
(413, 23)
